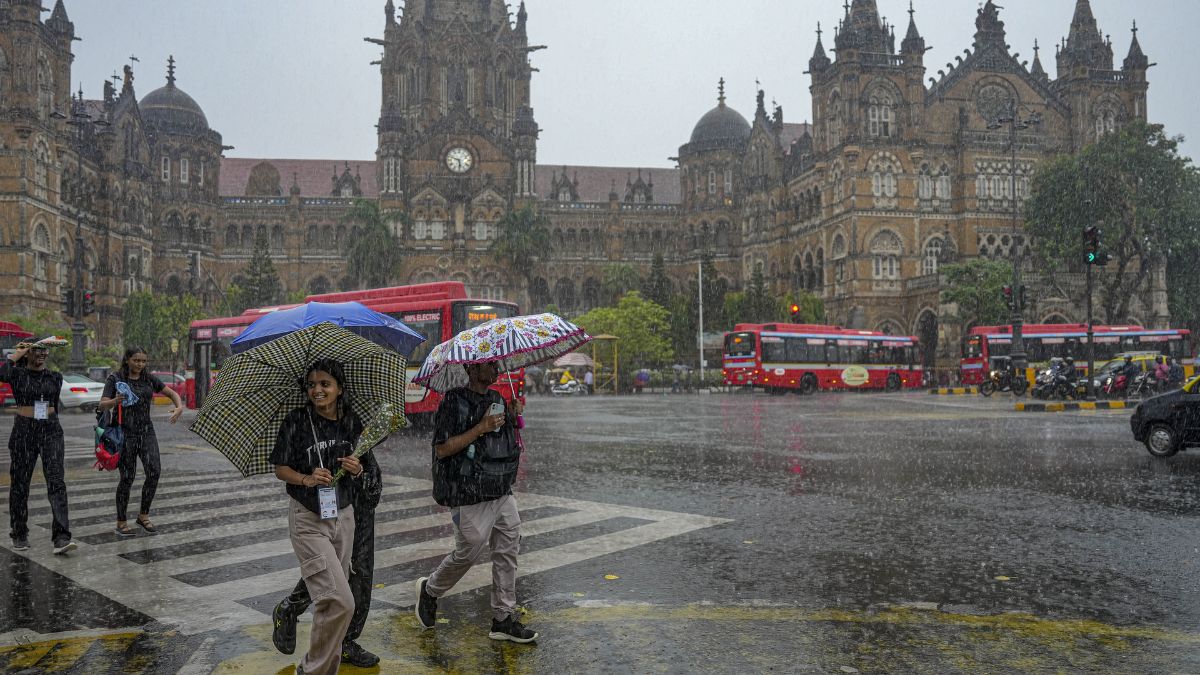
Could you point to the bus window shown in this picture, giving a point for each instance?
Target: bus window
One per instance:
(427, 323)
(468, 315)
(739, 344)
(831, 352)
(797, 350)
(999, 348)
(972, 347)
(774, 350)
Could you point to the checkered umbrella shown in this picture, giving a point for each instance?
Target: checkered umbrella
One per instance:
(511, 343)
(256, 390)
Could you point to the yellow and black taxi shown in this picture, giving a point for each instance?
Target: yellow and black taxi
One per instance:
(1169, 422)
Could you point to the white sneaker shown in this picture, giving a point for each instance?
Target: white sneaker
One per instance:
(65, 548)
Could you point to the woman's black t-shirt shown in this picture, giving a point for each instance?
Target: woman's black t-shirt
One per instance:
(29, 386)
(297, 447)
(135, 418)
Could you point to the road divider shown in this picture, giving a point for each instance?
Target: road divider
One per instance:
(1074, 405)
(954, 391)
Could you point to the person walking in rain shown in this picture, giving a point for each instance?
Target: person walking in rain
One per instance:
(475, 460)
(36, 432)
(362, 570)
(133, 389)
(313, 441)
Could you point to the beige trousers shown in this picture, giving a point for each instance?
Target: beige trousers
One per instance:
(495, 524)
(323, 549)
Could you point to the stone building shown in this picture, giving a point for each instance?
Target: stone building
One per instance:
(896, 174)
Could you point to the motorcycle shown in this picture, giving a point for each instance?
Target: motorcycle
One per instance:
(1050, 384)
(570, 388)
(1143, 386)
(1003, 380)
(1115, 386)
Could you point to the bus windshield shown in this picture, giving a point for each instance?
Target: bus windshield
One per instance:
(428, 323)
(739, 344)
(468, 315)
(972, 347)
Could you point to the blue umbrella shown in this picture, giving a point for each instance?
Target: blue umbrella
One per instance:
(377, 327)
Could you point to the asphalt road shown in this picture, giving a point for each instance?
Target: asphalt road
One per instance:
(719, 533)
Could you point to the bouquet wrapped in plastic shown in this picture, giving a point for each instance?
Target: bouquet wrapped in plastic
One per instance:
(386, 420)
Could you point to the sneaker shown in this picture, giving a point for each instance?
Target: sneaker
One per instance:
(355, 655)
(283, 629)
(20, 544)
(511, 629)
(64, 547)
(426, 607)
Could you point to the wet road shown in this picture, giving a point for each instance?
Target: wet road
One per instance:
(836, 533)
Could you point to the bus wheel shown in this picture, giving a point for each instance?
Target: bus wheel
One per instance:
(808, 385)
(893, 383)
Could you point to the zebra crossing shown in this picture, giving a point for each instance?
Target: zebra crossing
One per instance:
(222, 557)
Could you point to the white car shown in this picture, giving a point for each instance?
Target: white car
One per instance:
(80, 392)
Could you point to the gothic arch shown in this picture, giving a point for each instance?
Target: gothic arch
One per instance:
(539, 293)
(838, 249)
(173, 286)
(886, 240)
(1054, 317)
(319, 285)
(564, 294)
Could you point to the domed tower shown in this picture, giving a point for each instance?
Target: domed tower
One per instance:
(709, 171)
(185, 168)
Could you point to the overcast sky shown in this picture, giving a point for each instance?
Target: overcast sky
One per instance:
(621, 84)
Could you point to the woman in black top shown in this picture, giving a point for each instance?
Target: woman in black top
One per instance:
(313, 441)
(36, 432)
(140, 440)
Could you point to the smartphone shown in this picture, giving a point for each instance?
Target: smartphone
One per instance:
(496, 409)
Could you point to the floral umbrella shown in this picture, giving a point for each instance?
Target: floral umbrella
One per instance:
(511, 343)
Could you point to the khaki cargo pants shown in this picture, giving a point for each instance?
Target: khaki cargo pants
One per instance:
(494, 524)
(323, 549)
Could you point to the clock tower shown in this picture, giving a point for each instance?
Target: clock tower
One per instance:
(457, 138)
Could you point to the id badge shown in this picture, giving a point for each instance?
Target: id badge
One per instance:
(41, 410)
(327, 498)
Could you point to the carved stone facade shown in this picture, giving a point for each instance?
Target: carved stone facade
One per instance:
(894, 177)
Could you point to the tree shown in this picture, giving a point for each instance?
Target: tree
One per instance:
(1183, 283)
(619, 279)
(976, 286)
(521, 239)
(682, 330)
(233, 302)
(812, 308)
(262, 286)
(152, 321)
(45, 323)
(657, 285)
(1134, 185)
(373, 256)
(641, 327)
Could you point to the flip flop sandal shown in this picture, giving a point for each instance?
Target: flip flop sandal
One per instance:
(123, 531)
(146, 525)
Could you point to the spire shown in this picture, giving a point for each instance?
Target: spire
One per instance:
(171, 70)
(1036, 70)
(989, 29)
(522, 17)
(1085, 45)
(58, 20)
(761, 110)
(863, 29)
(721, 92)
(819, 60)
(913, 42)
(389, 10)
(1136, 60)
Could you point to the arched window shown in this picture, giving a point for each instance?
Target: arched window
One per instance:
(231, 236)
(64, 264)
(933, 253)
(925, 184)
(41, 252)
(277, 238)
(41, 166)
(880, 115)
(885, 249)
(942, 187)
(833, 123)
(712, 181)
(319, 285)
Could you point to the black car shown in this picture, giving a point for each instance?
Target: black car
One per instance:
(1169, 422)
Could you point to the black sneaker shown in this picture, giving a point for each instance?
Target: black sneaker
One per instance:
(283, 629)
(355, 655)
(511, 629)
(64, 546)
(426, 607)
(20, 544)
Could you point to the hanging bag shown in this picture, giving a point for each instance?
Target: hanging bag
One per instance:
(110, 440)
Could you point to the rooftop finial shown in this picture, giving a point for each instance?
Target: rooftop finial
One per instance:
(721, 92)
(1135, 27)
(911, 11)
(818, 31)
(171, 70)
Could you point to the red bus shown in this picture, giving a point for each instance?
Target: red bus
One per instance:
(437, 310)
(10, 335)
(804, 357)
(1046, 341)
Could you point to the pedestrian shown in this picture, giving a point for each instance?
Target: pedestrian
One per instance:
(475, 460)
(1175, 374)
(547, 382)
(133, 389)
(362, 571)
(1162, 373)
(589, 381)
(313, 441)
(36, 433)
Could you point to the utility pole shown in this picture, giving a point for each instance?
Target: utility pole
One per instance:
(1091, 342)
(700, 293)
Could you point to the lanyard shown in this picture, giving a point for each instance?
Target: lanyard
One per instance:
(316, 441)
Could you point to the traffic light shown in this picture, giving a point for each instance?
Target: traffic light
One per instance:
(68, 300)
(1007, 291)
(795, 311)
(1091, 240)
(89, 302)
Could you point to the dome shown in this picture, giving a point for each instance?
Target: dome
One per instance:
(171, 109)
(722, 124)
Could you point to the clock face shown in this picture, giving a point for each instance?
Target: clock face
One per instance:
(459, 160)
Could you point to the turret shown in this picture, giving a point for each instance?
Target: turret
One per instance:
(1136, 60)
(1036, 69)
(59, 23)
(1085, 47)
(820, 60)
(913, 46)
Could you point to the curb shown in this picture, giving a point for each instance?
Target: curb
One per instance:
(954, 391)
(1081, 405)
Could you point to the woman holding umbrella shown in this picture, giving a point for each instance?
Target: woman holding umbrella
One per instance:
(313, 441)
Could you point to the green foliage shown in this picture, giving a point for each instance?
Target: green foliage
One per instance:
(1135, 186)
(976, 286)
(152, 321)
(682, 330)
(1183, 283)
(234, 302)
(754, 305)
(373, 258)
(812, 308)
(45, 323)
(521, 237)
(262, 287)
(641, 327)
(657, 285)
(619, 279)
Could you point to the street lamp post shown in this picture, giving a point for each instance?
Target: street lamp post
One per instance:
(1013, 120)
